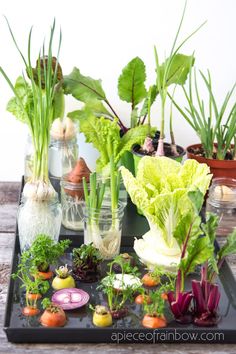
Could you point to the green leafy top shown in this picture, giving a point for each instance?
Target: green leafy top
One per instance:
(45, 251)
(31, 285)
(104, 134)
(36, 101)
(83, 88)
(131, 86)
(50, 306)
(86, 255)
(117, 299)
(212, 123)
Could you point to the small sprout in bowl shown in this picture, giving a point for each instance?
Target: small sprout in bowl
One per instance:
(101, 316)
(86, 262)
(63, 279)
(53, 315)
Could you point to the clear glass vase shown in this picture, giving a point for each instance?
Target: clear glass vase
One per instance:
(103, 228)
(63, 155)
(29, 158)
(222, 201)
(72, 202)
(38, 217)
(123, 195)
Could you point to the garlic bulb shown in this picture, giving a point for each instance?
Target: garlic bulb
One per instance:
(63, 129)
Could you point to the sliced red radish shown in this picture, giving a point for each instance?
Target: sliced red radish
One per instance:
(70, 298)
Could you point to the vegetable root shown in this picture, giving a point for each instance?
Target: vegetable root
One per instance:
(108, 242)
(36, 217)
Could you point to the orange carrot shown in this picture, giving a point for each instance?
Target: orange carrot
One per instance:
(142, 299)
(33, 297)
(44, 275)
(149, 280)
(53, 319)
(30, 311)
(154, 321)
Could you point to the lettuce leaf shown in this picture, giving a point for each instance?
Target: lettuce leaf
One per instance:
(162, 191)
(196, 175)
(104, 134)
(24, 92)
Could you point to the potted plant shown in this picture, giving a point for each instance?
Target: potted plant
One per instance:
(53, 315)
(34, 288)
(215, 126)
(131, 89)
(160, 190)
(173, 71)
(43, 253)
(121, 287)
(86, 263)
(36, 103)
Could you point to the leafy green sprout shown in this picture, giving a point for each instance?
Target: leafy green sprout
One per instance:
(24, 274)
(35, 102)
(214, 125)
(167, 283)
(45, 252)
(94, 195)
(48, 305)
(86, 255)
(163, 79)
(117, 299)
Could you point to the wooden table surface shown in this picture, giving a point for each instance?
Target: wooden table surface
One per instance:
(8, 207)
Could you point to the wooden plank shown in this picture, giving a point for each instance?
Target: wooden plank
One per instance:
(9, 192)
(8, 217)
(6, 248)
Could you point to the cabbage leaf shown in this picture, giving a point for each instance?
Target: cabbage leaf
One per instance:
(161, 191)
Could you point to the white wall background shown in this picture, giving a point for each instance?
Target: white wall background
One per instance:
(100, 37)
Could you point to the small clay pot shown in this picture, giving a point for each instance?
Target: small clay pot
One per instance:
(219, 168)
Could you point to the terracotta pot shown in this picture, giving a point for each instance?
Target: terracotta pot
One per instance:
(219, 168)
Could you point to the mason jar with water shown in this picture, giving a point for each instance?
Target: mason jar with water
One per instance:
(222, 201)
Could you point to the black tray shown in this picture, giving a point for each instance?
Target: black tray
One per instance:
(128, 330)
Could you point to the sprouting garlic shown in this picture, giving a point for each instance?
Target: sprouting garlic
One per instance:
(38, 191)
(63, 129)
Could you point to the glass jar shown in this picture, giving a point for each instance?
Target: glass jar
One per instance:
(123, 195)
(29, 156)
(38, 217)
(222, 201)
(103, 228)
(63, 155)
(72, 203)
